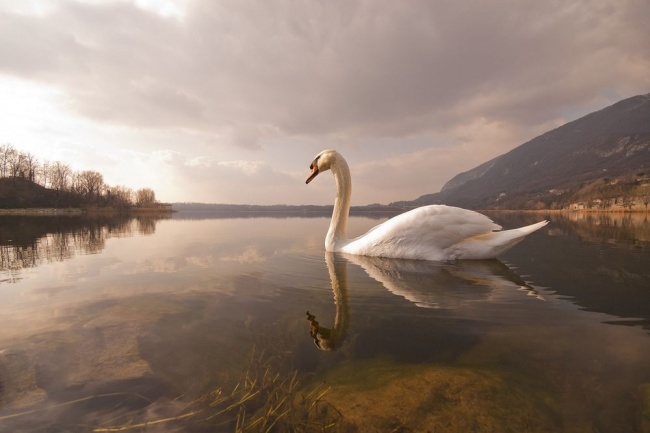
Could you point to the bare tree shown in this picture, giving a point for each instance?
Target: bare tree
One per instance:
(89, 183)
(44, 174)
(119, 195)
(60, 175)
(75, 183)
(31, 166)
(145, 197)
(14, 161)
(6, 152)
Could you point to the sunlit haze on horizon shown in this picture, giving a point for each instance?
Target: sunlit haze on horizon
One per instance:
(229, 101)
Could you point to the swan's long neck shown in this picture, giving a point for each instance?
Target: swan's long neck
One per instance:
(337, 233)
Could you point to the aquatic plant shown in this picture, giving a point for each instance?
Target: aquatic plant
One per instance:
(267, 397)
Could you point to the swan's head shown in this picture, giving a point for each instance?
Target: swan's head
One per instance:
(322, 162)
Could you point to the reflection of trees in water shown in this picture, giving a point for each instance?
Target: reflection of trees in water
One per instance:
(626, 229)
(26, 242)
(598, 260)
(633, 220)
(146, 225)
(621, 228)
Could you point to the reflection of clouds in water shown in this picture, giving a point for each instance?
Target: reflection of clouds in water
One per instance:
(175, 265)
(81, 321)
(165, 265)
(201, 261)
(249, 255)
(207, 260)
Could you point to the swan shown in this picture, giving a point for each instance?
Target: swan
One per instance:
(435, 232)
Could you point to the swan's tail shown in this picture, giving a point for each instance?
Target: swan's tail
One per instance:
(526, 230)
(492, 244)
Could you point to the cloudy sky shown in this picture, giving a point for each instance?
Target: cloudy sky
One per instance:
(228, 101)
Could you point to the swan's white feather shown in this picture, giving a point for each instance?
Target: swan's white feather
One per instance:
(435, 232)
(422, 233)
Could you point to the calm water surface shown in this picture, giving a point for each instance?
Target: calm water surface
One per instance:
(216, 323)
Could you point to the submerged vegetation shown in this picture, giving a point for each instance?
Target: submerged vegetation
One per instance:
(384, 396)
(267, 397)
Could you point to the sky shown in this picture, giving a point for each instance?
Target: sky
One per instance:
(228, 101)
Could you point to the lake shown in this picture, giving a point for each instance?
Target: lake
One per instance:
(213, 322)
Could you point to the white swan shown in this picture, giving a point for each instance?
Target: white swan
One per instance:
(435, 232)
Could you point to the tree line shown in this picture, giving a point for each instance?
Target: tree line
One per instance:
(60, 177)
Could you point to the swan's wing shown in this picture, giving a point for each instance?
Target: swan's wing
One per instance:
(422, 233)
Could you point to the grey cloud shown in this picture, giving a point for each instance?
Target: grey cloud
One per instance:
(313, 68)
(232, 181)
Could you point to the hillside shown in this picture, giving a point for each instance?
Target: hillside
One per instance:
(17, 192)
(21, 193)
(603, 157)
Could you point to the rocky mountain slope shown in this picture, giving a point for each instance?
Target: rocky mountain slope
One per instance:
(597, 154)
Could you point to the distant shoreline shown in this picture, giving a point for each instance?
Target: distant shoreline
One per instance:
(594, 211)
(42, 211)
(298, 211)
(84, 211)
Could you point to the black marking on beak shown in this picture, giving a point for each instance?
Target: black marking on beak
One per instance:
(314, 172)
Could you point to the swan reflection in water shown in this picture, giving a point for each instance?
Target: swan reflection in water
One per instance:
(427, 284)
(331, 338)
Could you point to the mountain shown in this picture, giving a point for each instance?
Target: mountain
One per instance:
(597, 154)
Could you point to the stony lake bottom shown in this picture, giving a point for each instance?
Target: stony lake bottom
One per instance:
(221, 322)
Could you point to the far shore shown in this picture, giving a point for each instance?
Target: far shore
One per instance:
(167, 210)
(545, 211)
(86, 211)
(42, 211)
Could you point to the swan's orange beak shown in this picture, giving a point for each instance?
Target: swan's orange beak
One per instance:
(314, 172)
